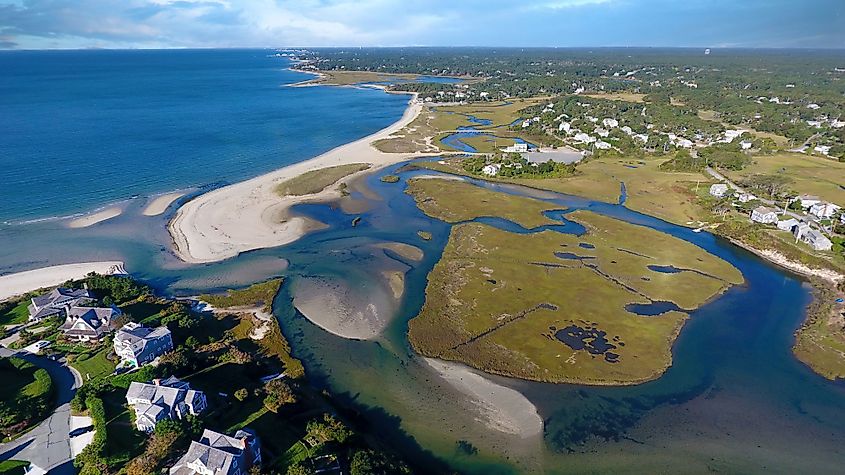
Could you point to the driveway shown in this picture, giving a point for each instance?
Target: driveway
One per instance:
(47, 446)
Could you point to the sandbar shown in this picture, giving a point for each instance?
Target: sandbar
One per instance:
(22, 282)
(94, 218)
(498, 407)
(250, 215)
(159, 204)
(346, 309)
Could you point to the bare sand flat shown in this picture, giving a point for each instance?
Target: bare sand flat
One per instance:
(498, 407)
(94, 218)
(251, 215)
(406, 251)
(23, 282)
(342, 308)
(160, 203)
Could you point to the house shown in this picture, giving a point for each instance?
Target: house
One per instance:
(170, 398)
(564, 127)
(730, 135)
(806, 200)
(788, 224)
(492, 169)
(87, 324)
(610, 123)
(218, 454)
(56, 302)
(745, 197)
(762, 214)
(822, 149)
(719, 190)
(824, 210)
(138, 345)
(582, 137)
(815, 239)
(814, 123)
(516, 148)
(813, 106)
(683, 143)
(602, 145)
(601, 132)
(746, 145)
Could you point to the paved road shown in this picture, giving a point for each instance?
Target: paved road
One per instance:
(48, 444)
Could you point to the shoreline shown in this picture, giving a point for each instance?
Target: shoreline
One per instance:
(158, 204)
(96, 217)
(19, 283)
(249, 215)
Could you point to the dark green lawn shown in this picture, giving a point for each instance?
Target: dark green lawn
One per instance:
(123, 441)
(15, 315)
(12, 467)
(25, 395)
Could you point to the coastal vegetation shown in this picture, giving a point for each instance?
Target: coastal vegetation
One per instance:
(563, 308)
(26, 395)
(456, 201)
(315, 181)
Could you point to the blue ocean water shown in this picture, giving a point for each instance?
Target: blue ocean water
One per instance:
(81, 129)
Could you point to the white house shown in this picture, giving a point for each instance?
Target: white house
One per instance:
(807, 200)
(719, 190)
(824, 210)
(746, 144)
(731, 134)
(601, 132)
(610, 123)
(491, 169)
(822, 149)
(516, 148)
(788, 224)
(813, 106)
(683, 143)
(170, 398)
(582, 137)
(745, 197)
(642, 137)
(815, 123)
(564, 127)
(762, 214)
(138, 345)
(602, 145)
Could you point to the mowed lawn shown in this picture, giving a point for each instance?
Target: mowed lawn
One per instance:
(92, 366)
(15, 315)
(812, 175)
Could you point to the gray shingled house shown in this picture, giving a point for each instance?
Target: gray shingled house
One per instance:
(55, 302)
(219, 454)
(139, 345)
(169, 398)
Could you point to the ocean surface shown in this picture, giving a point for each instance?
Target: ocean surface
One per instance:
(735, 400)
(81, 129)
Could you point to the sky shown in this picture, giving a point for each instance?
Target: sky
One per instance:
(59, 24)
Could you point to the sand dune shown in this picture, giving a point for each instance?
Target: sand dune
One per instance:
(250, 215)
(23, 282)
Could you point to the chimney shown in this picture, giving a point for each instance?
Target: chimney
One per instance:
(157, 381)
(85, 285)
(67, 310)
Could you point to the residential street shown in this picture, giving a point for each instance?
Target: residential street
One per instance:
(47, 446)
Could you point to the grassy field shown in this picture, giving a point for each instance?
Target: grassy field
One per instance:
(316, 181)
(25, 395)
(124, 442)
(455, 201)
(15, 314)
(811, 175)
(497, 300)
(92, 366)
(348, 78)
(666, 195)
(256, 295)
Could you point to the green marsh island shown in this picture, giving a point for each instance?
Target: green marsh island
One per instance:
(603, 308)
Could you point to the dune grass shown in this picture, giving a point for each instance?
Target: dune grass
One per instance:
(316, 181)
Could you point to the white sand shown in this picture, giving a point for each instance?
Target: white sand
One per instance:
(498, 407)
(23, 282)
(346, 309)
(250, 215)
(160, 203)
(94, 218)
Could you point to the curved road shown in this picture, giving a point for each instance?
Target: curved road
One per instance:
(47, 445)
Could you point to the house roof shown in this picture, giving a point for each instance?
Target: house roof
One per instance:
(135, 336)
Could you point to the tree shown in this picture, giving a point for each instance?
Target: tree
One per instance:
(722, 208)
(769, 185)
(192, 342)
(371, 462)
(241, 394)
(279, 393)
(297, 469)
(329, 429)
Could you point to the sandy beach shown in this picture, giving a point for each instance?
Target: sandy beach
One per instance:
(160, 203)
(94, 218)
(250, 215)
(23, 282)
(498, 407)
